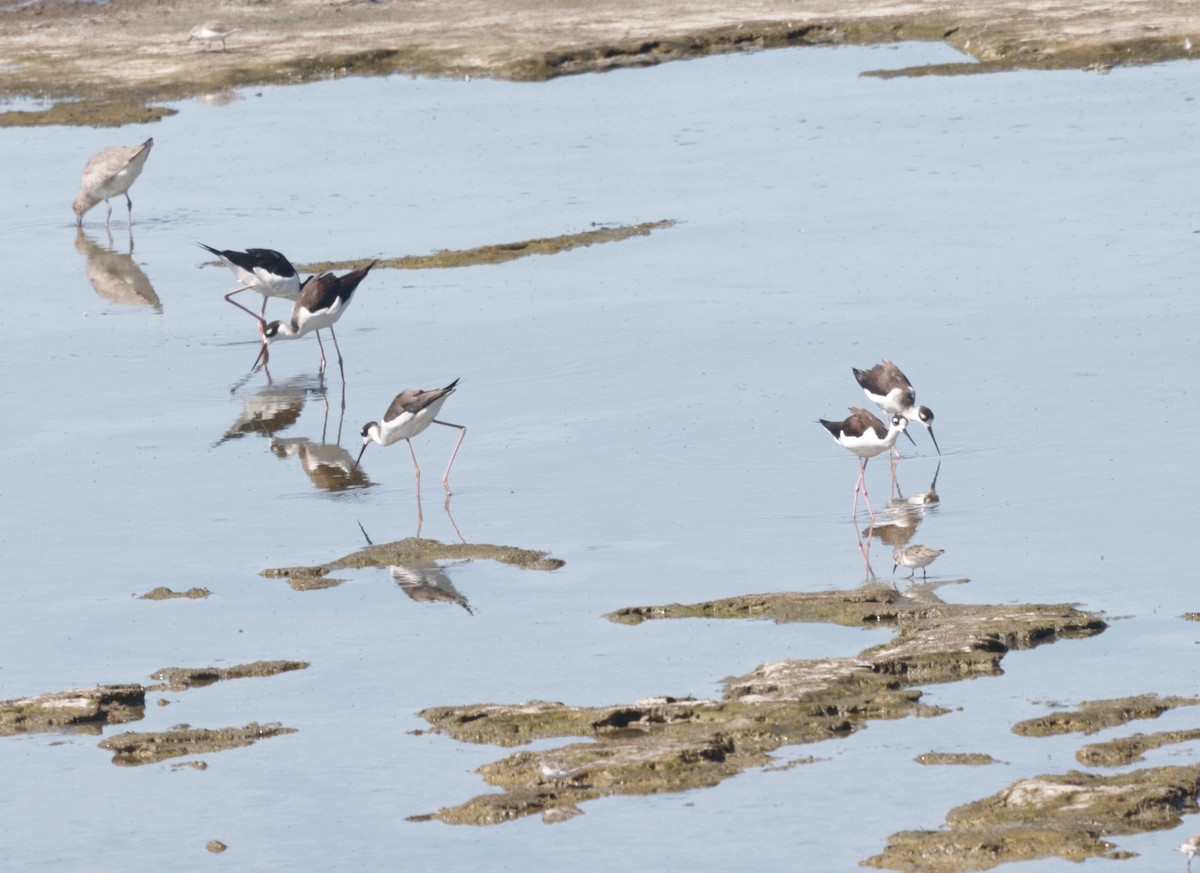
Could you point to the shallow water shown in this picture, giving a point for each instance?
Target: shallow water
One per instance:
(1022, 245)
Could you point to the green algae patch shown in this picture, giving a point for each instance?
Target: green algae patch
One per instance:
(1066, 816)
(181, 678)
(81, 709)
(961, 759)
(164, 593)
(934, 642)
(498, 253)
(133, 749)
(89, 113)
(1130, 750)
(408, 551)
(675, 744)
(1096, 715)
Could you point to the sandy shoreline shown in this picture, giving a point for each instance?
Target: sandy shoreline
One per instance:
(114, 61)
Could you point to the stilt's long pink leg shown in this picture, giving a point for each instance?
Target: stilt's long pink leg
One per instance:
(454, 454)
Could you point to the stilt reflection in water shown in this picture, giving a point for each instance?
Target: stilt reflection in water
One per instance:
(428, 582)
(273, 408)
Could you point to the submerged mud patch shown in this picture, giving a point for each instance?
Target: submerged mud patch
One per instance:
(408, 551)
(673, 744)
(498, 253)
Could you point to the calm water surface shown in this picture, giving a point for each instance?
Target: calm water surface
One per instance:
(1024, 245)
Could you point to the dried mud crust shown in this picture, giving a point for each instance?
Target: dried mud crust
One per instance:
(110, 64)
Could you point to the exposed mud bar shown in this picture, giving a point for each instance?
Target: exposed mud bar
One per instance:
(162, 592)
(672, 744)
(1066, 816)
(132, 749)
(110, 64)
(497, 253)
(91, 709)
(406, 552)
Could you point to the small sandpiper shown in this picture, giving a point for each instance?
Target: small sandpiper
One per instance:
(914, 557)
(110, 172)
(212, 31)
(890, 390)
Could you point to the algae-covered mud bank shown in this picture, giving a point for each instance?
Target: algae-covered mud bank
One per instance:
(1067, 816)
(108, 64)
(668, 744)
(409, 552)
(90, 710)
(499, 253)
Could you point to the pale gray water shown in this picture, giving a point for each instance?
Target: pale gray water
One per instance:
(1022, 245)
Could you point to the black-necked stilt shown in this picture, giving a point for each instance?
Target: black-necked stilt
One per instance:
(890, 390)
(1191, 848)
(265, 270)
(110, 172)
(411, 412)
(212, 31)
(865, 435)
(322, 301)
(914, 557)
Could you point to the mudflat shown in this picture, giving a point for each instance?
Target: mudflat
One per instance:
(109, 63)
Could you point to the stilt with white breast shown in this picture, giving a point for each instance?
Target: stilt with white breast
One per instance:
(110, 172)
(412, 412)
(265, 270)
(890, 390)
(914, 557)
(865, 435)
(321, 303)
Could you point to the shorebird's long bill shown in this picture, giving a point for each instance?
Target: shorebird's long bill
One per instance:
(261, 359)
(359, 458)
(910, 439)
(935, 445)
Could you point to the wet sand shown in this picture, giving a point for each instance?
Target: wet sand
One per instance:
(114, 62)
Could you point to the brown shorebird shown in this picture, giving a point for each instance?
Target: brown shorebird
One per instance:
(110, 172)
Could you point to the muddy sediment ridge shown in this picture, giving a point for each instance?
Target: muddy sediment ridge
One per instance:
(674, 744)
(118, 63)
